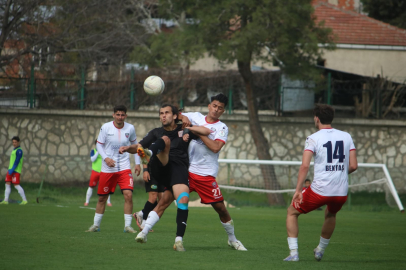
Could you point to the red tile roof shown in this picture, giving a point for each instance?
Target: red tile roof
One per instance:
(353, 28)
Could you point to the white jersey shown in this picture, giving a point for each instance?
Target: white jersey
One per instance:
(112, 138)
(202, 160)
(331, 151)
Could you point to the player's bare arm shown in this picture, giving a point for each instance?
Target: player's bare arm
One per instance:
(185, 121)
(200, 131)
(214, 146)
(353, 163)
(145, 176)
(132, 149)
(304, 169)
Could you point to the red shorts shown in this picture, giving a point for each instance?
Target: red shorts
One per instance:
(312, 201)
(94, 179)
(13, 178)
(206, 187)
(109, 181)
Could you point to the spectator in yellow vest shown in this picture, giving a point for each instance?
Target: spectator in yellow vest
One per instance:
(94, 177)
(14, 172)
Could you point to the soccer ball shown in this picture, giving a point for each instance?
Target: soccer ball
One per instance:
(154, 85)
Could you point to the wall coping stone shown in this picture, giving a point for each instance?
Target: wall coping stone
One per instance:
(224, 117)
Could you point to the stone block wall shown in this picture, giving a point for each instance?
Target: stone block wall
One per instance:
(62, 141)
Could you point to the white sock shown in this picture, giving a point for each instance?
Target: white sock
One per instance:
(108, 199)
(89, 194)
(152, 219)
(229, 227)
(7, 192)
(143, 223)
(21, 192)
(293, 245)
(127, 220)
(97, 219)
(178, 238)
(323, 243)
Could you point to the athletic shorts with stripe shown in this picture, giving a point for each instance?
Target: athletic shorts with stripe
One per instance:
(207, 188)
(94, 179)
(13, 178)
(312, 201)
(109, 181)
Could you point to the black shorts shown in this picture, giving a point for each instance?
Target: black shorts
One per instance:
(153, 185)
(169, 175)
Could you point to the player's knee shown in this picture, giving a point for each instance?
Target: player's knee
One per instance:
(103, 198)
(183, 201)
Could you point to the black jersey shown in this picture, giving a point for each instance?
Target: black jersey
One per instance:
(179, 148)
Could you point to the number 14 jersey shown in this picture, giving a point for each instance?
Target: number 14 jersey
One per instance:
(331, 151)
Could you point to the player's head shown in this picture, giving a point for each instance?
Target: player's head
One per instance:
(307, 183)
(16, 141)
(217, 105)
(168, 115)
(119, 115)
(323, 114)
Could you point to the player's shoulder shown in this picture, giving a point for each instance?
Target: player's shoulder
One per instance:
(129, 126)
(107, 125)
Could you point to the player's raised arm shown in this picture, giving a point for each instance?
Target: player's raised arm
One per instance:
(132, 149)
(201, 131)
(185, 120)
(214, 146)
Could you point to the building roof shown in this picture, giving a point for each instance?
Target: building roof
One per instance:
(353, 28)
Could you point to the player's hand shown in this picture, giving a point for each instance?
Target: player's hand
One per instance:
(137, 169)
(186, 137)
(123, 149)
(185, 122)
(146, 176)
(110, 162)
(297, 199)
(166, 140)
(10, 172)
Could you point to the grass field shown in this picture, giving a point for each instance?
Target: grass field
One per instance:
(50, 235)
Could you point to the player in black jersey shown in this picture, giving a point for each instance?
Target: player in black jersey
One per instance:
(169, 163)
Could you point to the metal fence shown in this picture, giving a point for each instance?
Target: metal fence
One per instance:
(191, 89)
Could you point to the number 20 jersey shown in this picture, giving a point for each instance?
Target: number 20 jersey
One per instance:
(331, 151)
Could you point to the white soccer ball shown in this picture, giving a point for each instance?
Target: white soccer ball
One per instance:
(154, 85)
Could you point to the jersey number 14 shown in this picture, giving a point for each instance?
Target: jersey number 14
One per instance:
(338, 151)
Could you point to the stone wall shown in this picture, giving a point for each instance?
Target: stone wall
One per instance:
(62, 140)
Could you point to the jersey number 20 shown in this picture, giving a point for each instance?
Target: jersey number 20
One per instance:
(338, 151)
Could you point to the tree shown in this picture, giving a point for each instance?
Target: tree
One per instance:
(389, 11)
(81, 32)
(243, 31)
(14, 16)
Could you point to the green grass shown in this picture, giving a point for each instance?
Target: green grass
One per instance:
(50, 235)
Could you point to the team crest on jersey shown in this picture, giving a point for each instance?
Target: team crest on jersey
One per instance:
(222, 133)
(214, 184)
(180, 133)
(127, 135)
(106, 189)
(212, 129)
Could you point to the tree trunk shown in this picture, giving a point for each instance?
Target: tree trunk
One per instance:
(260, 141)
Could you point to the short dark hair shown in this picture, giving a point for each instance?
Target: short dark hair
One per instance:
(175, 111)
(221, 98)
(325, 113)
(307, 180)
(15, 138)
(120, 108)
